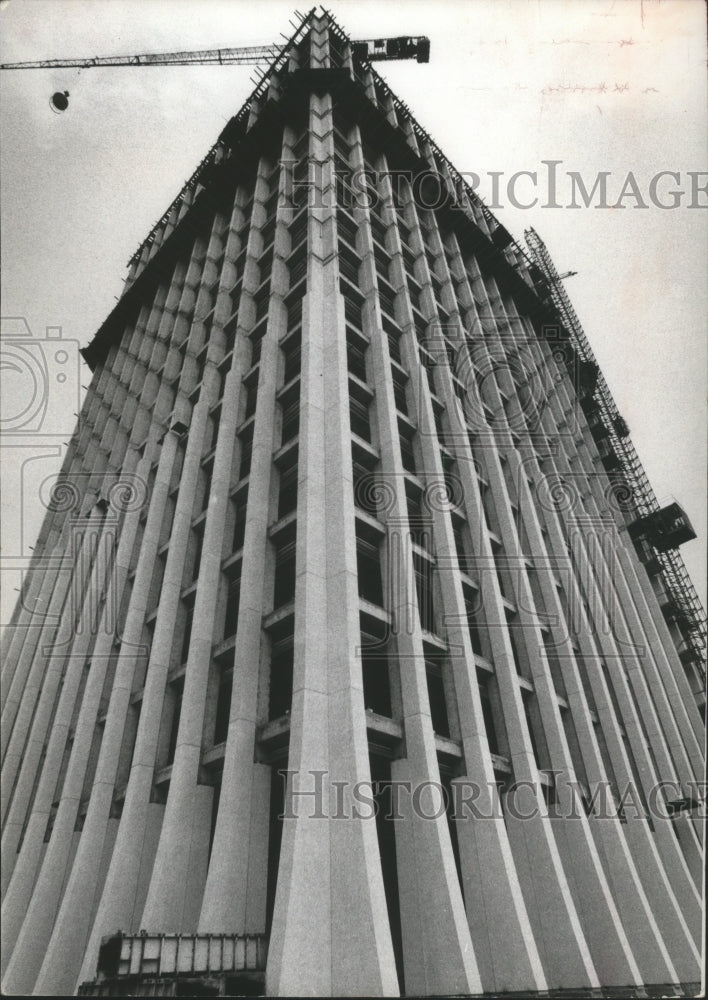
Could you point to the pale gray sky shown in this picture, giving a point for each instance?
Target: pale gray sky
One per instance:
(602, 86)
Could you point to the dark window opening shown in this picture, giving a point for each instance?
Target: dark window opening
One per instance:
(262, 300)
(240, 507)
(347, 227)
(368, 559)
(387, 297)
(511, 627)
(281, 679)
(382, 262)
(367, 487)
(394, 338)
(459, 545)
(233, 597)
(214, 419)
(298, 230)
(297, 266)
(214, 815)
(188, 616)
(198, 533)
(356, 355)
(386, 833)
(377, 685)
(256, 339)
(246, 441)
(378, 229)
(414, 293)
(359, 419)
(407, 452)
(292, 354)
(223, 706)
(275, 836)
(294, 307)
(353, 308)
(348, 263)
(284, 586)
(424, 590)
(287, 492)
(485, 681)
(445, 781)
(251, 392)
(268, 232)
(177, 692)
(532, 721)
(419, 519)
(290, 405)
(436, 697)
(399, 392)
(207, 472)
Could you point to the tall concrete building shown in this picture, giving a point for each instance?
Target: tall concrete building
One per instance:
(356, 656)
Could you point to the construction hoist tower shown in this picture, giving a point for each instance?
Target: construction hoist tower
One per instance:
(335, 671)
(656, 531)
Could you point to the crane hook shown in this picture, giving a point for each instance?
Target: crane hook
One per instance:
(59, 101)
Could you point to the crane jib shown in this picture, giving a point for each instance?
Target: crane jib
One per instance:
(371, 50)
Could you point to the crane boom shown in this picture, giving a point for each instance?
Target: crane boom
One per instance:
(380, 49)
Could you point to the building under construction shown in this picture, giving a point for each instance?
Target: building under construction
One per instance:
(356, 656)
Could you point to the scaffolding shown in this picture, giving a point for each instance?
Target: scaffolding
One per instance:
(674, 576)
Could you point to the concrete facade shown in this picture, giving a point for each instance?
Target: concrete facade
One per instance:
(348, 649)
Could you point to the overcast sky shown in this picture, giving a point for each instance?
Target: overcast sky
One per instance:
(601, 86)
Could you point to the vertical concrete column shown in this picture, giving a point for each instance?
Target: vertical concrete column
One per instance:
(21, 969)
(685, 750)
(55, 867)
(65, 951)
(187, 820)
(24, 616)
(613, 965)
(550, 902)
(496, 911)
(67, 496)
(667, 909)
(27, 621)
(27, 676)
(25, 760)
(603, 929)
(330, 933)
(665, 717)
(53, 569)
(139, 822)
(129, 866)
(685, 708)
(235, 891)
(67, 948)
(129, 493)
(622, 872)
(622, 880)
(598, 585)
(438, 956)
(638, 664)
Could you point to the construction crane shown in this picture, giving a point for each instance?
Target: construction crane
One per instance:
(370, 50)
